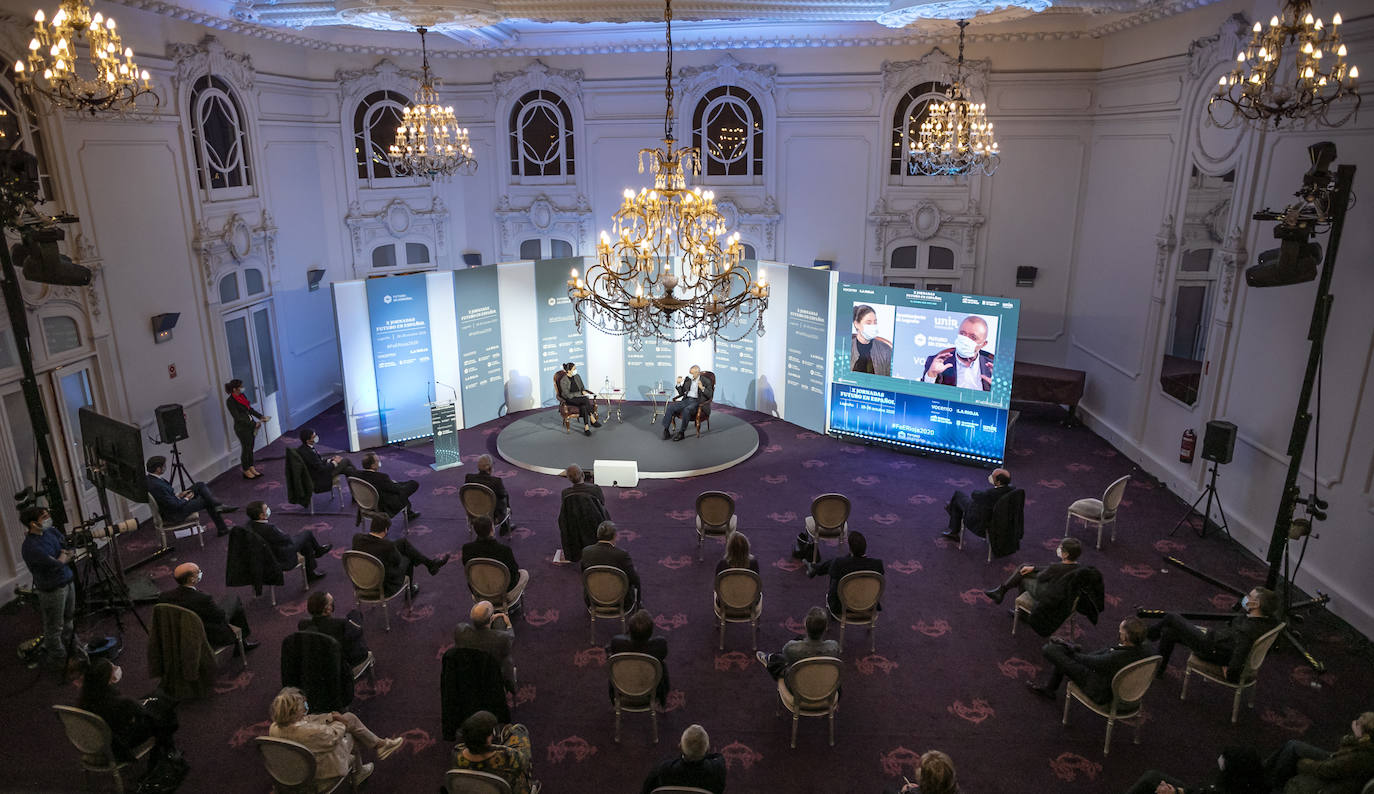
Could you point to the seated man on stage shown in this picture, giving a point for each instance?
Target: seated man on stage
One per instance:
(285, 547)
(392, 496)
(224, 620)
(1228, 646)
(483, 476)
(399, 558)
(1093, 672)
(974, 509)
(691, 392)
(1042, 584)
(177, 507)
(574, 392)
(322, 469)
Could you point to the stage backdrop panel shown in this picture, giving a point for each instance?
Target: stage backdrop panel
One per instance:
(649, 367)
(808, 308)
(398, 314)
(559, 339)
(477, 304)
(736, 364)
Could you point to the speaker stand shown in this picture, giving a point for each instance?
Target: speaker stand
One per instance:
(180, 475)
(1211, 493)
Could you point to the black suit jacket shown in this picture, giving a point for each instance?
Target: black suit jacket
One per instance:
(217, 629)
(244, 416)
(169, 503)
(345, 631)
(607, 554)
(708, 773)
(497, 487)
(839, 567)
(705, 390)
(392, 497)
(321, 470)
(588, 488)
(1235, 639)
(1104, 664)
(656, 646)
(981, 504)
(279, 542)
(950, 377)
(386, 551)
(493, 549)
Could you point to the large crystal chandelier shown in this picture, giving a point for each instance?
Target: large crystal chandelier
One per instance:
(108, 82)
(429, 143)
(956, 137)
(661, 273)
(1265, 87)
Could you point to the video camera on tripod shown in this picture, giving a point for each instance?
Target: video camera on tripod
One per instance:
(97, 528)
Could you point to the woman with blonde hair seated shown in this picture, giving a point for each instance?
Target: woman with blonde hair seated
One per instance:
(737, 554)
(331, 737)
(935, 775)
(501, 750)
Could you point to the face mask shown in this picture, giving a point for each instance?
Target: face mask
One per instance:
(47, 523)
(1245, 603)
(572, 372)
(266, 513)
(965, 347)
(116, 675)
(1059, 552)
(1221, 762)
(869, 331)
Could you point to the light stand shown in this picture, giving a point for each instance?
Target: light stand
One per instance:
(1211, 493)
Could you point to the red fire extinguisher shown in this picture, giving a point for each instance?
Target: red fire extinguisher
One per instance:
(1185, 450)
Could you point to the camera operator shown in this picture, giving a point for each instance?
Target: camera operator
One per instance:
(49, 562)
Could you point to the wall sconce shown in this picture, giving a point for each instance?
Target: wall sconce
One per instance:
(163, 325)
(472, 259)
(822, 264)
(313, 276)
(1025, 276)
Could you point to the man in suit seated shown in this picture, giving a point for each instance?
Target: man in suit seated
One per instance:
(398, 557)
(1043, 584)
(604, 552)
(691, 393)
(966, 365)
(1228, 646)
(392, 496)
(581, 509)
(641, 639)
(578, 478)
(1093, 672)
(224, 620)
(975, 509)
(483, 476)
(795, 650)
(839, 567)
(489, 547)
(490, 632)
(695, 768)
(285, 547)
(177, 507)
(348, 631)
(322, 469)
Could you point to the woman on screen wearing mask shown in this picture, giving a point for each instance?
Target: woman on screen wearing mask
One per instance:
(869, 352)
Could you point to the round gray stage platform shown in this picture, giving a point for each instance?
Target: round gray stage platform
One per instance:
(537, 442)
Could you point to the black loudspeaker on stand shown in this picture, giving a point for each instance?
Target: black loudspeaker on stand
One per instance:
(171, 429)
(1218, 444)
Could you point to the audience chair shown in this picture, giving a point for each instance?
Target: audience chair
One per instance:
(192, 523)
(605, 587)
(739, 599)
(470, 681)
(368, 576)
(859, 593)
(471, 781)
(294, 462)
(186, 617)
(680, 790)
(292, 767)
(489, 580)
(1129, 686)
(1010, 509)
(715, 517)
(305, 578)
(307, 657)
(91, 737)
(811, 688)
(1098, 511)
(634, 680)
(1025, 604)
(1249, 676)
(479, 500)
(829, 520)
(366, 501)
(703, 414)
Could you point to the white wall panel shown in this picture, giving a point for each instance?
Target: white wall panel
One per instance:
(825, 198)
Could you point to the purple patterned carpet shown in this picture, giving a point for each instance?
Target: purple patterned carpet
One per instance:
(947, 673)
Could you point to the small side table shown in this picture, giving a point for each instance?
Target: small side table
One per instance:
(615, 400)
(659, 399)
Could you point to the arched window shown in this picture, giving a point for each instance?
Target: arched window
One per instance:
(541, 136)
(244, 283)
(727, 127)
(374, 130)
(61, 334)
(912, 109)
(384, 256)
(928, 267)
(219, 136)
(19, 129)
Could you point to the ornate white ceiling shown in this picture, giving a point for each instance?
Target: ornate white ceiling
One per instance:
(551, 27)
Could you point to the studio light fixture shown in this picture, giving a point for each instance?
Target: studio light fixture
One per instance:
(429, 143)
(1293, 72)
(956, 138)
(106, 81)
(664, 272)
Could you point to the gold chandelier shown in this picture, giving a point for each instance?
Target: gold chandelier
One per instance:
(429, 143)
(632, 289)
(956, 137)
(1264, 87)
(111, 83)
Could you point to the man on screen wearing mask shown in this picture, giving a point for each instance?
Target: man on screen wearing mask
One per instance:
(966, 365)
(869, 352)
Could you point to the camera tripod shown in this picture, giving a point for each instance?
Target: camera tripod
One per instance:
(179, 475)
(1211, 493)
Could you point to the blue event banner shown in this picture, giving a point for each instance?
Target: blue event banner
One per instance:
(808, 303)
(559, 339)
(917, 421)
(648, 368)
(398, 310)
(477, 306)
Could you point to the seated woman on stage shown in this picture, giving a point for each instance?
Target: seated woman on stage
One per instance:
(574, 392)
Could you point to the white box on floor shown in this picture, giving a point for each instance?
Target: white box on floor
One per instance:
(621, 473)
